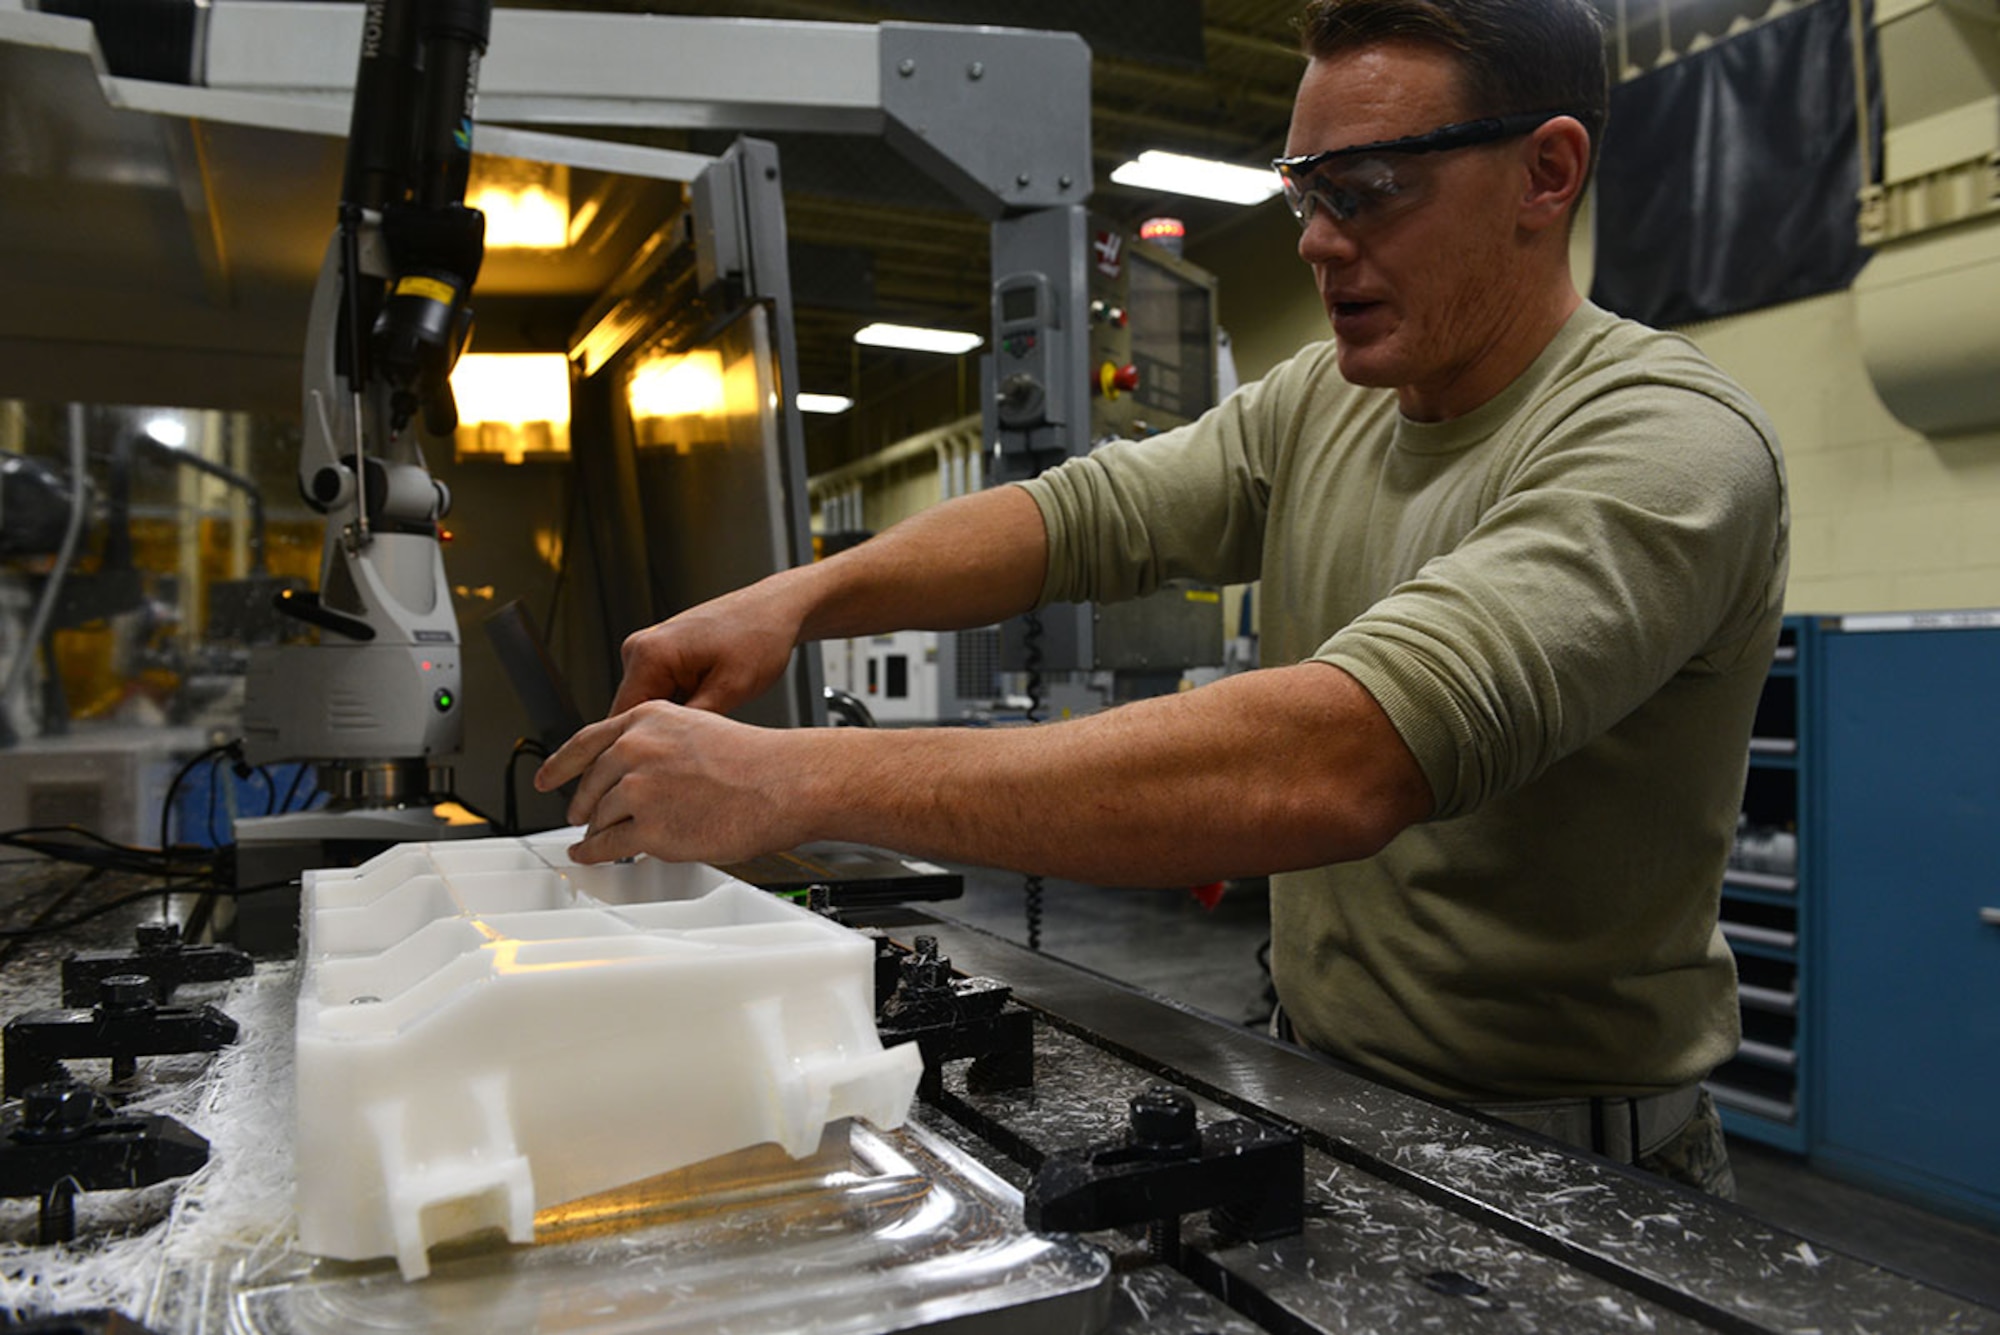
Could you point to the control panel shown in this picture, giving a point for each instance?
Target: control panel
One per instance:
(1148, 345)
(1151, 340)
(1031, 343)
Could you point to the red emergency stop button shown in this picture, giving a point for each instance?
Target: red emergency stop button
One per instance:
(1113, 379)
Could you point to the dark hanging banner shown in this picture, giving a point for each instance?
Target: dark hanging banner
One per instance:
(1728, 178)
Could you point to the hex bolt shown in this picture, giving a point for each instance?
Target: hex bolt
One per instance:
(56, 1111)
(976, 70)
(1065, 181)
(125, 994)
(1163, 1119)
(907, 68)
(1021, 180)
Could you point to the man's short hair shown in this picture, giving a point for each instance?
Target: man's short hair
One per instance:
(1517, 55)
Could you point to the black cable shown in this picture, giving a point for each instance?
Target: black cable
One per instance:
(136, 896)
(522, 746)
(91, 835)
(214, 786)
(270, 795)
(242, 769)
(167, 807)
(100, 853)
(64, 894)
(1032, 659)
(166, 816)
(1032, 889)
(291, 791)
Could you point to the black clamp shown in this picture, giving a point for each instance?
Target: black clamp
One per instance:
(125, 1025)
(1248, 1176)
(950, 1018)
(161, 957)
(61, 1139)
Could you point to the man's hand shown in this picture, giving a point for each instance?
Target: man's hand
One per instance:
(680, 784)
(713, 657)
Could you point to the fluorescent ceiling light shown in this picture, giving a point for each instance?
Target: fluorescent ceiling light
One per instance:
(1182, 175)
(511, 387)
(171, 432)
(916, 339)
(824, 403)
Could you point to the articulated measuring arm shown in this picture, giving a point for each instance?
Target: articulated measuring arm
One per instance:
(389, 319)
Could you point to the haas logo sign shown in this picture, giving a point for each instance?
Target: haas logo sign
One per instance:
(1110, 248)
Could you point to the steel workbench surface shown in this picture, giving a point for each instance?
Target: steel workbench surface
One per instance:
(1418, 1217)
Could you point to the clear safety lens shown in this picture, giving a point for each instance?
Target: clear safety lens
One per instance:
(1357, 192)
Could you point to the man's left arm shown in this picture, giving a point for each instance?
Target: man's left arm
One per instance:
(1266, 771)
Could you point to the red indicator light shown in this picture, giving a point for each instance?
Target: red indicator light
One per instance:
(427, 665)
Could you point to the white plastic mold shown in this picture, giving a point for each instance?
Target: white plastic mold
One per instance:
(486, 1029)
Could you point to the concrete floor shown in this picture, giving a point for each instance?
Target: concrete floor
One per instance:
(1166, 942)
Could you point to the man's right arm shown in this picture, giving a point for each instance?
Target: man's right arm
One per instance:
(970, 562)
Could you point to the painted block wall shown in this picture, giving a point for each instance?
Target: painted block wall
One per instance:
(1884, 518)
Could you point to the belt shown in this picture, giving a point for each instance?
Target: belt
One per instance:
(1625, 1129)
(1621, 1128)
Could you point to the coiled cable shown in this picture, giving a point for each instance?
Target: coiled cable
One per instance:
(1031, 645)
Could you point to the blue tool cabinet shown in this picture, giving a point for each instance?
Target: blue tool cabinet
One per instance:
(1906, 727)
(1871, 982)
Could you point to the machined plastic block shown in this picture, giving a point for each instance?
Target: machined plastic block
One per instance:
(487, 1029)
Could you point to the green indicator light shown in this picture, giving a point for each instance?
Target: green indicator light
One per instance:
(442, 700)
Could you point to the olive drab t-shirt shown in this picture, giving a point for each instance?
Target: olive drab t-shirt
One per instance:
(1566, 602)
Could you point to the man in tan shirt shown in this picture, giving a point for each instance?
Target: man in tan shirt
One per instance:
(1522, 568)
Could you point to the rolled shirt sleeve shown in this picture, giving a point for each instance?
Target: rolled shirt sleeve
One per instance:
(1610, 559)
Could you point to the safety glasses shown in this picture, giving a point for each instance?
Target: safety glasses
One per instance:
(1369, 182)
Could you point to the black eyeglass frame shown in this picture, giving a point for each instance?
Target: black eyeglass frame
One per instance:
(1460, 134)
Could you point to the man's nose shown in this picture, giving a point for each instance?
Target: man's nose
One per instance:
(1323, 241)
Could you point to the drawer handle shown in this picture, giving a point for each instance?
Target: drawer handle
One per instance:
(1991, 917)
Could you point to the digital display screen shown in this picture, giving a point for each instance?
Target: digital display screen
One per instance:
(1017, 303)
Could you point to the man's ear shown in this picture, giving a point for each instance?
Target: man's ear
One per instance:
(1557, 155)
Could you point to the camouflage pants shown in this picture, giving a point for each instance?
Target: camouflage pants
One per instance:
(1696, 1156)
